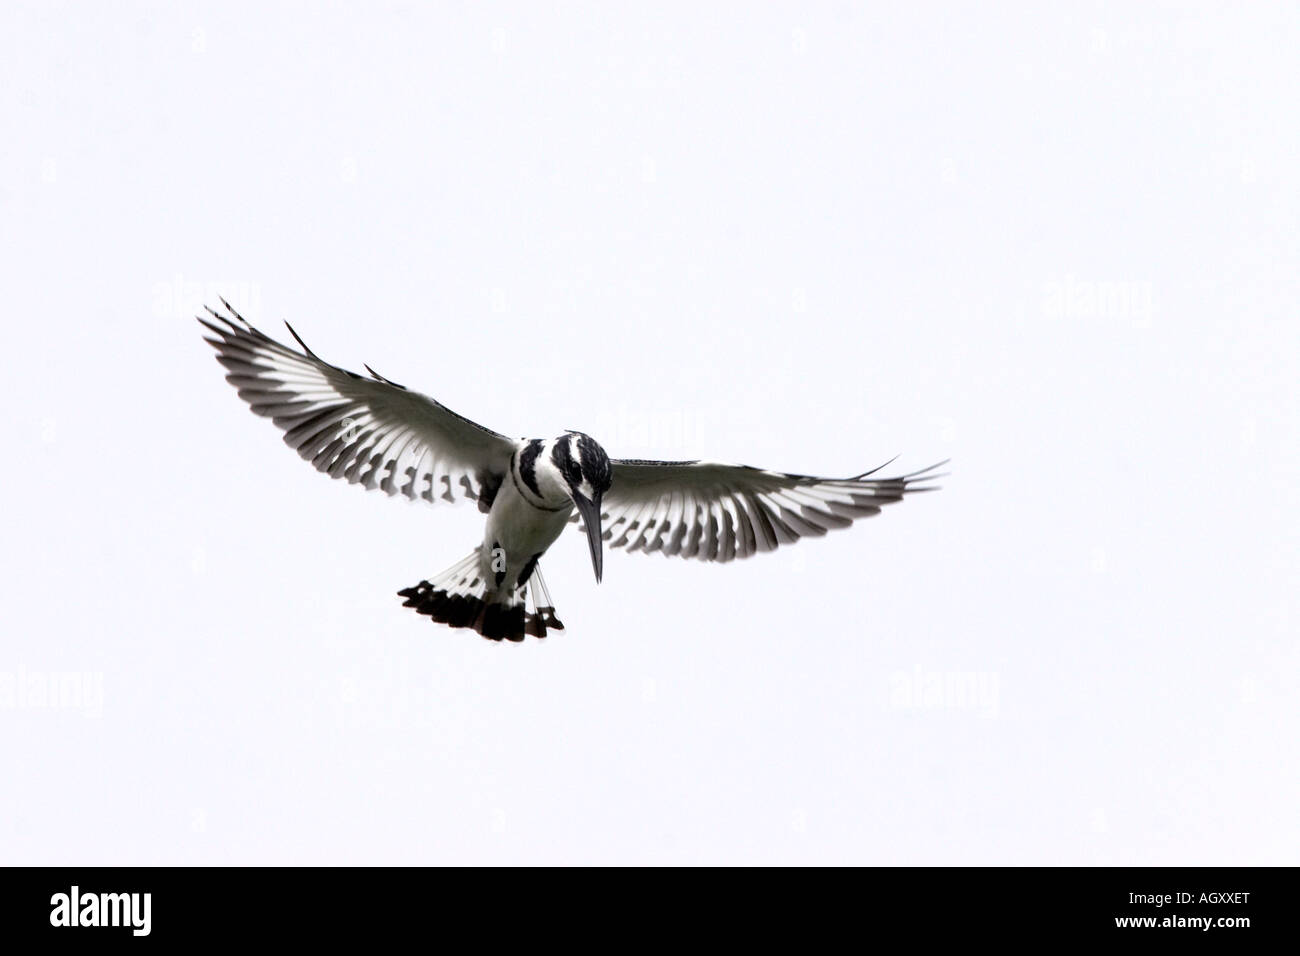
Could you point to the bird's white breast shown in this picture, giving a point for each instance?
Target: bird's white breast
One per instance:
(521, 528)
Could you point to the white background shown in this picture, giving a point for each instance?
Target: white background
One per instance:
(1059, 247)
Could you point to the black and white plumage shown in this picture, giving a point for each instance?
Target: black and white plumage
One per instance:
(378, 434)
(712, 511)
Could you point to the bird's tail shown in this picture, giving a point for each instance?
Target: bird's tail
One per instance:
(465, 596)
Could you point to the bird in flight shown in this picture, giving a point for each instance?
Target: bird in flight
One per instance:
(378, 434)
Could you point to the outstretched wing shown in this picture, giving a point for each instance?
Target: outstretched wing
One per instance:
(372, 432)
(715, 512)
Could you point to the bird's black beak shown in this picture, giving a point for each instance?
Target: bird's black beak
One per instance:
(590, 513)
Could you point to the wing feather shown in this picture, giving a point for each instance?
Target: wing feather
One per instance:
(717, 512)
(368, 431)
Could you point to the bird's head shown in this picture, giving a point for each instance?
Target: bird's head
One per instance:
(587, 475)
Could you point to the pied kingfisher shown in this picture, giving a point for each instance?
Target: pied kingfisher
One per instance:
(378, 434)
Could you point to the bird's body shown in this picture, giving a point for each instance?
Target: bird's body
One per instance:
(521, 526)
(378, 434)
(530, 508)
(533, 505)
